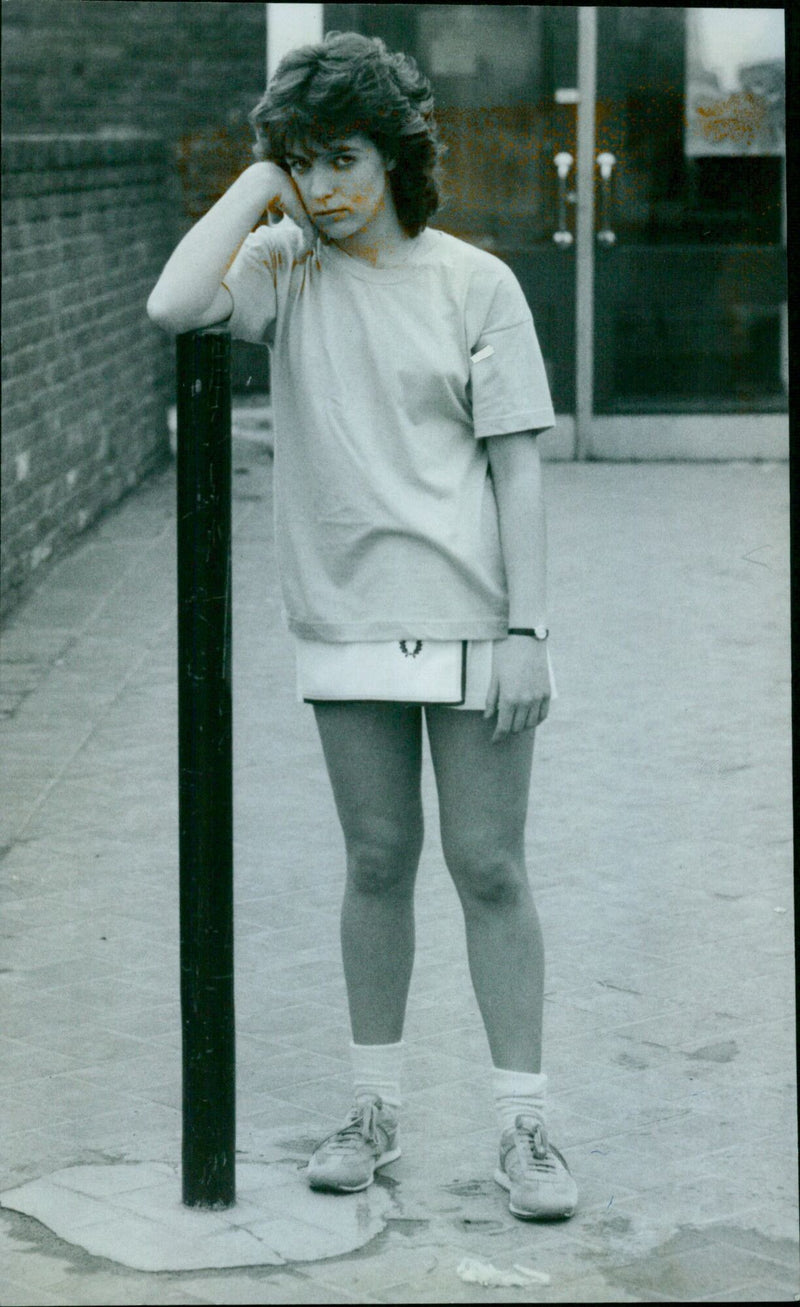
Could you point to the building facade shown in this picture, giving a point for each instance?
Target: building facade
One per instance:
(627, 162)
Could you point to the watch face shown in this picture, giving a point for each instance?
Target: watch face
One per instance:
(540, 632)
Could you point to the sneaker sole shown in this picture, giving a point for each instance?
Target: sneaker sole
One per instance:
(559, 1213)
(327, 1186)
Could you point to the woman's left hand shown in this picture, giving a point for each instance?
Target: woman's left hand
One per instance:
(520, 688)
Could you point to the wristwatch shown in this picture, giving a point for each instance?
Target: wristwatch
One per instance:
(536, 632)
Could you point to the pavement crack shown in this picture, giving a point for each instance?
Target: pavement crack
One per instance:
(620, 989)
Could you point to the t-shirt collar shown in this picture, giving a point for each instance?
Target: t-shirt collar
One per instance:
(366, 271)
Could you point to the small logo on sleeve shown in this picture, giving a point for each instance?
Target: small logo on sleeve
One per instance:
(485, 353)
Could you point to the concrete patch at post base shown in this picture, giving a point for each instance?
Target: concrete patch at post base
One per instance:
(132, 1213)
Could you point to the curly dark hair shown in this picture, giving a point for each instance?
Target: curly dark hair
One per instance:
(352, 84)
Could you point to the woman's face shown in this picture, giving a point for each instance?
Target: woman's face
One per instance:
(344, 186)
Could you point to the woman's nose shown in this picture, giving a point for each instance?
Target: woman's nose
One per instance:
(320, 183)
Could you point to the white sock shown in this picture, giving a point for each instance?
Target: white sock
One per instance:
(376, 1070)
(518, 1092)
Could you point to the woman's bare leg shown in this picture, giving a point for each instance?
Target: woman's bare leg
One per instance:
(373, 755)
(483, 800)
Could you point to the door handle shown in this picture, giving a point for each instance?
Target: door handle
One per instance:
(606, 162)
(563, 161)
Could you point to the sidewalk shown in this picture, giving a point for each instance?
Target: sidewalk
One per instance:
(660, 855)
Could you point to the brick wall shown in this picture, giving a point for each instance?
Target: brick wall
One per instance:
(175, 67)
(188, 71)
(86, 377)
(87, 225)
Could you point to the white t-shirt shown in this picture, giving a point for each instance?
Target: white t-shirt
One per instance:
(382, 378)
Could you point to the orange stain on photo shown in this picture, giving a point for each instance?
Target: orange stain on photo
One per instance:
(741, 116)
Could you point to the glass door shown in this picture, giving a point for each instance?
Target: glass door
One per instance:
(689, 266)
(505, 81)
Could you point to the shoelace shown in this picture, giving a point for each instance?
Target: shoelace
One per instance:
(536, 1149)
(361, 1126)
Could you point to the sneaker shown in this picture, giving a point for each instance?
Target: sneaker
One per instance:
(536, 1175)
(346, 1161)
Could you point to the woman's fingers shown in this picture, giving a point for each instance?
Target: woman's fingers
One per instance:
(513, 718)
(288, 203)
(299, 213)
(505, 720)
(521, 718)
(491, 698)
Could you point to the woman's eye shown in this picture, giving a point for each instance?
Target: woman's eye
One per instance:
(298, 165)
(343, 160)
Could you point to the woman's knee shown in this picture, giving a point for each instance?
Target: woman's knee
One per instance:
(383, 857)
(487, 874)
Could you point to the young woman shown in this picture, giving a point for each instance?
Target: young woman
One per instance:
(408, 388)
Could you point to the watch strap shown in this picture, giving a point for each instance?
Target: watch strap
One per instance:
(535, 632)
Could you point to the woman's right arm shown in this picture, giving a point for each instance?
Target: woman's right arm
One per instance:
(189, 293)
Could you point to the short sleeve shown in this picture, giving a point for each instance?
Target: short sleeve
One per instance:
(508, 380)
(252, 279)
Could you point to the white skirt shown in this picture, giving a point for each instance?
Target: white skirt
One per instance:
(451, 672)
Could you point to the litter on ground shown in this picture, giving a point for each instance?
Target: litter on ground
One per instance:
(474, 1271)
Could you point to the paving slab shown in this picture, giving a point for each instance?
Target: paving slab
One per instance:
(133, 1215)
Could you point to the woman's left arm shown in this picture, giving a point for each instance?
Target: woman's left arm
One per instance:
(520, 688)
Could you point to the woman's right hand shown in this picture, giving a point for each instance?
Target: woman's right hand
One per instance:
(283, 198)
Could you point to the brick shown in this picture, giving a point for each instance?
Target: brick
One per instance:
(25, 322)
(24, 286)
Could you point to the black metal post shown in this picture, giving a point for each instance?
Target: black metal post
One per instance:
(205, 756)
